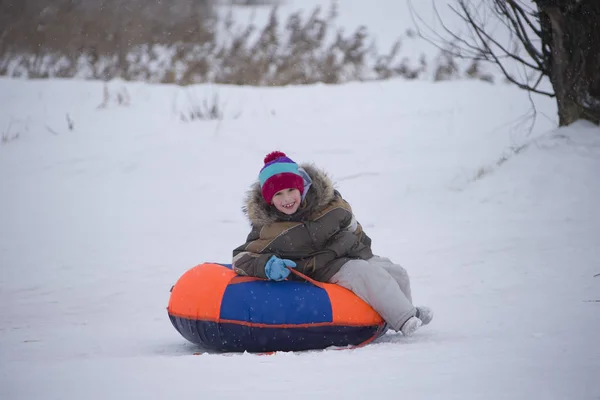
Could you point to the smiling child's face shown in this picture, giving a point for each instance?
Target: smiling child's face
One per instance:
(287, 200)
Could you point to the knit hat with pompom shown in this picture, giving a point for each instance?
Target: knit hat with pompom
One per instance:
(278, 173)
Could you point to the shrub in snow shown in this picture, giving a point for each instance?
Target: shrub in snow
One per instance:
(189, 44)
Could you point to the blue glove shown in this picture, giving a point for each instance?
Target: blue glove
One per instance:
(276, 268)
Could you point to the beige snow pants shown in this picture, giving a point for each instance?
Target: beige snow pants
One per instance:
(385, 286)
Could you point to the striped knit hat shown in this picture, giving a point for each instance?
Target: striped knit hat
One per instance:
(278, 173)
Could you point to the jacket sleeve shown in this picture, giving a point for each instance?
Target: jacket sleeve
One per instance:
(248, 263)
(362, 236)
(355, 227)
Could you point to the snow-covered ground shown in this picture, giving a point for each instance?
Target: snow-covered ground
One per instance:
(496, 221)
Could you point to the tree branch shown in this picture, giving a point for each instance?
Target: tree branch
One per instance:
(484, 37)
(524, 36)
(481, 34)
(480, 44)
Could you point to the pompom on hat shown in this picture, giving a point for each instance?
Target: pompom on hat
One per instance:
(278, 173)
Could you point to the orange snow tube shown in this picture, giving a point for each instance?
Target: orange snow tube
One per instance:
(212, 306)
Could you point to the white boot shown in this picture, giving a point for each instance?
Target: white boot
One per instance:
(425, 314)
(410, 326)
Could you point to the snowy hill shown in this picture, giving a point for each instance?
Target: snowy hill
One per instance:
(108, 196)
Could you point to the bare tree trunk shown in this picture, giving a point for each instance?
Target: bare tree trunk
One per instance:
(573, 34)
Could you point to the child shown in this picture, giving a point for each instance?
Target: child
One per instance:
(300, 221)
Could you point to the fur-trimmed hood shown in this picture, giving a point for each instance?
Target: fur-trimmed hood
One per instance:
(320, 193)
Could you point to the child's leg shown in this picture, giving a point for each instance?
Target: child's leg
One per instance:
(378, 288)
(396, 271)
(400, 275)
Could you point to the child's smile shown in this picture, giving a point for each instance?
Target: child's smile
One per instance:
(287, 200)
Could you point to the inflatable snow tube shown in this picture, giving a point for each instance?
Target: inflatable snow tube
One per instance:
(212, 306)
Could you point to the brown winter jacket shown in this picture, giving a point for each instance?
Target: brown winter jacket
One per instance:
(320, 237)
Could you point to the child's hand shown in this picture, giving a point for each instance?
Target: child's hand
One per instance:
(276, 268)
